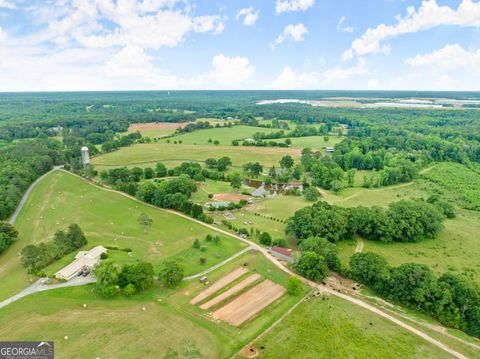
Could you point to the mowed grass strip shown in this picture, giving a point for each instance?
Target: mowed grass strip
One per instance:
(222, 282)
(335, 328)
(228, 293)
(250, 303)
(145, 155)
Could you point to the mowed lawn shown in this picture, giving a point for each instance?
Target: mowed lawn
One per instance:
(335, 328)
(313, 142)
(108, 219)
(145, 155)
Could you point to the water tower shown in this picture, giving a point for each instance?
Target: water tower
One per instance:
(85, 156)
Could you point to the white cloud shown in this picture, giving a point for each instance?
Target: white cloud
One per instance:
(427, 16)
(231, 71)
(342, 73)
(373, 84)
(133, 63)
(250, 16)
(3, 35)
(341, 27)
(5, 4)
(449, 57)
(293, 32)
(289, 79)
(149, 24)
(293, 5)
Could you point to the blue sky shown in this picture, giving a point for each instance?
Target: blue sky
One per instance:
(239, 44)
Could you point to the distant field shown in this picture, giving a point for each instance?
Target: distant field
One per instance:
(334, 328)
(107, 219)
(223, 134)
(144, 155)
(313, 142)
(156, 130)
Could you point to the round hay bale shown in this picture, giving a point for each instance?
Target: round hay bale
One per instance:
(65, 337)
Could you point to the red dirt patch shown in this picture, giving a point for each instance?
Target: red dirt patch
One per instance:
(230, 197)
(157, 125)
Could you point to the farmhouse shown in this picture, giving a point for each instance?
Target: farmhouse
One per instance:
(282, 253)
(83, 260)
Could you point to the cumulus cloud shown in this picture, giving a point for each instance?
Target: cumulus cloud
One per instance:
(3, 35)
(449, 57)
(132, 62)
(231, 71)
(342, 73)
(293, 32)
(148, 24)
(289, 79)
(341, 27)
(293, 5)
(5, 4)
(250, 16)
(427, 16)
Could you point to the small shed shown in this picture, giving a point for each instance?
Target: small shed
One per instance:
(282, 253)
(330, 149)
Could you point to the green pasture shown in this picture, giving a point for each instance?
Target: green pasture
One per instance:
(330, 327)
(223, 134)
(108, 219)
(119, 328)
(145, 155)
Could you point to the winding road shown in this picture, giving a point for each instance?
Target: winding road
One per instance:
(25, 196)
(252, 245)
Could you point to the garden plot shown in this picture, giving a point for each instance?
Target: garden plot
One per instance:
(250, 303)
(222, 282)
(228, 293)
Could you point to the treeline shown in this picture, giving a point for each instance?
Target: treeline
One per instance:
(403, 221)
(129, 279)
(8, 235)
(124, 177)
(37, 257)
(450, 298)
(21, 163)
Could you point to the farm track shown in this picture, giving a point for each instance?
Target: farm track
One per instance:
(322, 288)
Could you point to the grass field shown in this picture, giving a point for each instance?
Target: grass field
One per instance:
(144, 155)
(213, 187)
(118, 328)
(107, 218)
(223, 134)
(313, 142)
(334, 328)
(456, 248)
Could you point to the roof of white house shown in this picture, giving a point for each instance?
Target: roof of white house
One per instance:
(82, 259)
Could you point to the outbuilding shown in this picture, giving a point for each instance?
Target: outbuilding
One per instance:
(282, 253)
(84, 260)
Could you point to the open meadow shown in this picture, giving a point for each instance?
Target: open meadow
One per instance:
(108, 219)
(171, 155)
(329, 327)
